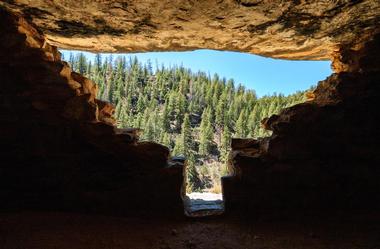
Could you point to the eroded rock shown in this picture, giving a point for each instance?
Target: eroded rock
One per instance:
(64, 151)
(311, 30)
(106, 111)
(323, 154)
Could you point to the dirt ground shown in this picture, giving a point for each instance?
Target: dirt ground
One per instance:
(33, 230)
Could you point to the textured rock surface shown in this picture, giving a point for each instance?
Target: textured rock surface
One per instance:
(276, 28)
(63, 152)
(31, 230)
(323, 154)
(58, 146)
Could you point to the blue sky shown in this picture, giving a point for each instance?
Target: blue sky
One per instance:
(264, 75)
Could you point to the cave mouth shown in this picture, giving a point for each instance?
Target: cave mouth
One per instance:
(193, 114)
(206, 199)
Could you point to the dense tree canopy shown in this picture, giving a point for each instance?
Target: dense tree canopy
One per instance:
(192, 113)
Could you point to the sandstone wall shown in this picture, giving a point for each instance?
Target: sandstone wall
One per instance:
(59, 149)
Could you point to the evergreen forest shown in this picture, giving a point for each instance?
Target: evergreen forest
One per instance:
(192, 113)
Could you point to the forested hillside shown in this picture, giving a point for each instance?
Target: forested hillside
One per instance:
(192, 113)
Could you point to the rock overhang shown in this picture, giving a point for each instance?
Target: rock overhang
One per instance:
(297, 30)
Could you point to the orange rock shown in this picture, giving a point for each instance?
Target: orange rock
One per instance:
(81, 108)
(106, 111)
(88, 87)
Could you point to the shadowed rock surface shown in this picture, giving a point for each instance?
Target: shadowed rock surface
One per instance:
(60, 150)
(59, 143)
(323, 154)
(310, 30)
(64, 230)
(64, 152)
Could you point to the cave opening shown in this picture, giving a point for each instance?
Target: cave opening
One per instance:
(73, 174)
(178, 100)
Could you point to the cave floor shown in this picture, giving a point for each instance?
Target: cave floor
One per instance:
(50, 230)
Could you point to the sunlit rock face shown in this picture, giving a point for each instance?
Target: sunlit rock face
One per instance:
(323, 154)
(310, 30)
(59, 147)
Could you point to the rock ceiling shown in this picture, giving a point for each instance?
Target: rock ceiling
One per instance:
(298, 29)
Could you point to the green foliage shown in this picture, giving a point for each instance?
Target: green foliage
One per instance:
(184, 142)
(225, 144)
(190, 112)
(193, 181)
(206, 133)
(241, 125)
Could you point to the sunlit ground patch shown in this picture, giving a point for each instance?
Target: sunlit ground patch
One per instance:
(203, 204)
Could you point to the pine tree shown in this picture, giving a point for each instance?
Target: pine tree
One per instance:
(138, 123)
(253, 122)
(193, 181)
(165, 139)
(181, 108)
(81, 64)
(220, 110)
(186, 135)
(118, 110)
(206, 134)
(98, 62)
(184, 142)
(149, 130)
(72, 61)
(89, 70)
(272, 108)
(178, 147)
(140, 106)
(165, 121)
(241, 126)
(163, 101)
(225, 144)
